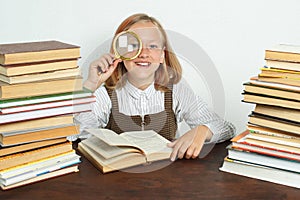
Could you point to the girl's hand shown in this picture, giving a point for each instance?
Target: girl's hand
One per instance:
(190, 144)
(100, 70)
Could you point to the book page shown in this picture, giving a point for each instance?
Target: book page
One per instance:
(111, 138)
(107, 151)
(148, 141)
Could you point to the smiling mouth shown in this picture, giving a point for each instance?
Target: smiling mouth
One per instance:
(143, 64)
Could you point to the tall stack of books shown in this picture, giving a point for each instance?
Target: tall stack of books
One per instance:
(40, 90)
(270, 147)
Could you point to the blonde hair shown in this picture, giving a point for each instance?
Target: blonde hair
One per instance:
(169, 72)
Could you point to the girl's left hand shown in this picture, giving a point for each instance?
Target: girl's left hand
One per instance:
(190, 144)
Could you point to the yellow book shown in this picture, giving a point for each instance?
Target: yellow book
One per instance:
(21, 69)
(61, 85)
(271, 91)
(27, 166)
(20, 137)
(37, 123)
(271, 72)
(41, 76)
(29, 146)
(30, 156)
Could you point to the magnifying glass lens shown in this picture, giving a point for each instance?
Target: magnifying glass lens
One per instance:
(127, 45)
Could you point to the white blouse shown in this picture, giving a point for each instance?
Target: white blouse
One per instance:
(187, 106)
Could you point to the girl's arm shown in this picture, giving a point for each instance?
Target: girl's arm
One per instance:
(99, 114)
(206, 125)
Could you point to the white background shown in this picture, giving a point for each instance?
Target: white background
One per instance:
(234, 33)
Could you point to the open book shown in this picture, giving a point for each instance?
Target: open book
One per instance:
(109, 151)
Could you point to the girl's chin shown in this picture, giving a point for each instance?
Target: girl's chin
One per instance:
(141, 75)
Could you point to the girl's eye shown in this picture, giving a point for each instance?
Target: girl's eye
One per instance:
(135, 46)
(153, 46)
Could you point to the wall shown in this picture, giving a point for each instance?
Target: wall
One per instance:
(233, 33)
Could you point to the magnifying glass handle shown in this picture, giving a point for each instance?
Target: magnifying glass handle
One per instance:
(100, 71)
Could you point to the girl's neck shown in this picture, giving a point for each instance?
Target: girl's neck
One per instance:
(142, 85)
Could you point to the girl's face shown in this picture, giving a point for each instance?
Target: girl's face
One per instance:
(141, 70)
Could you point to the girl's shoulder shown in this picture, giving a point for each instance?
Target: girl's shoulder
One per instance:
(181, 86)
(102, 92)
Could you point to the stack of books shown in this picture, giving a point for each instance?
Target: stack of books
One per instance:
(270, 147)
(40, 90)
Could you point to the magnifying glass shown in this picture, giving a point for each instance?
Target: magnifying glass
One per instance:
(126, 46)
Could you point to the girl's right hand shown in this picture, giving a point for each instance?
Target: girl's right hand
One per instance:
(100, 70)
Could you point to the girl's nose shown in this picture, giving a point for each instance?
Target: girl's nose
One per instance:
(144, 53)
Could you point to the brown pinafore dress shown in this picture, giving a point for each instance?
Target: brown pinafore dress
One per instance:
(163, 122)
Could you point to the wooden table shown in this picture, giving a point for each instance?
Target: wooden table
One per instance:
(183, 179)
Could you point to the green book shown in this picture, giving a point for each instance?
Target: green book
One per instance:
(45, 98)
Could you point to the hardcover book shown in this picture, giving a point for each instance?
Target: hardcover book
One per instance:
(275, 64)
(270, 131)
(53, 104)
(109, 151)
(275, 123)
(254, 80)
(30, 170)
(37, 123)
(44, 98)
(29, 52)
(261, 172)
(30, 68)
(278, 112)
(46, 133)
(52, 174)
(53, 86)
(271, 91)
(283, 52)
(242, 141)
(64, 73)
(271, 72)
(47, 112)
(263, 159)
(270, 100)
(4, 151)
(37, 154)
(282, 80)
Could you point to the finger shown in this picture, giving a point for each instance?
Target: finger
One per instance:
(116, 62)
(182, 150)
(98, 65)
(100, 70)
(190, 152)
(99, 79)
(196, 153)
(104, 62)
(197, 150)
(109, 59)
(112, 68)
(103, 65)
(171, 144)
(198, 146)
(174, 152)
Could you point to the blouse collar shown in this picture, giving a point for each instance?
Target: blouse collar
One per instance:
(138, 93)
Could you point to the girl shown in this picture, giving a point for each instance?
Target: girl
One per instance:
(148, 93)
